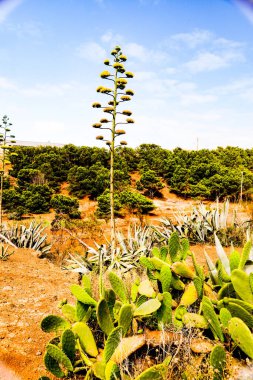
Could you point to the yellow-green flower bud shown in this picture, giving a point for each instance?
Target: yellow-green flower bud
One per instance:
(100, 138)
(123, 58)
(123, 143)
(111, 103)
(129, 92)
(127, 113)
(129, 74)
(120, 132)
(97, 125)
(104, 121)
(105, 74)
(117, 48)
(122, 80)
(109, 109)
(105, 90)
(107, 62)
(99, 88)
(113, 52)
(130, 121)
(96, 105)
(108, 143)
(118, 65)
(125, 98)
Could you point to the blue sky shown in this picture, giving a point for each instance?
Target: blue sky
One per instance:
(192, 61)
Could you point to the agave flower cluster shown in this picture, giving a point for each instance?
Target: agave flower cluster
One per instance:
(118, 93)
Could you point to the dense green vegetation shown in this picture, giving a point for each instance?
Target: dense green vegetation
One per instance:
(207, 174)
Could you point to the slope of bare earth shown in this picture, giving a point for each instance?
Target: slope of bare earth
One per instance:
(30, 288)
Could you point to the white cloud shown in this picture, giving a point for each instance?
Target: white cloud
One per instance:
(193, 39)
(91, 51)
(208, 61)
(47, 90)
(7, 7)
(6, 84)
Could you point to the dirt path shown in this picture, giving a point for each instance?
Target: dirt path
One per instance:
(30, 288)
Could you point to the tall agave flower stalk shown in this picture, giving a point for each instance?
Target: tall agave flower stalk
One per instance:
(5, 139)
(119, 94)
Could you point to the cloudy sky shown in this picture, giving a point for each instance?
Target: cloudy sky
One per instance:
(192, 59)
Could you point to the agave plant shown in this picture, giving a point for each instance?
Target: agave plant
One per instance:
(201, 224)
(138, 242)
(32, 237)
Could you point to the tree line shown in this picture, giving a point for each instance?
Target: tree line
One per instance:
(36, 175)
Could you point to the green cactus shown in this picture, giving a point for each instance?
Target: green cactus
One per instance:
(147, 307)
(110, 298)
(69, 312)
(83, 312)
(156, 262)
(182, 269)
(52, 366)
(240, 281)
(86, 284)
(189, 296)
(227, 290)
(245, 305)
(194, 320)
(146, 263)
(198, 283)
(156, 372)
(251, 282)
(146, 289)
(164, 253)
(176, 283)
(234, 260)
(82, 295)
(198, 269)
(241, 335)
(57, 354)
(245, 255)
(211, 317)
(86, 338)
(179, 312)
(165, 277)
(68, 344)
(118, 287)
(218, 362)
(112, 371)
(156, 252)
(112, 343)
(174, 246)
(104, 317)
(185, 248)
(238, 311)
(54, 323)
(222, 274)
(164, 313)
(225, 316)
(125, 317)
(99, 369)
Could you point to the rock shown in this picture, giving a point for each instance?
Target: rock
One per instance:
(7, 288)
(201, 346)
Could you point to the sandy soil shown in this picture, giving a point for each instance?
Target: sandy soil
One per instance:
(30, 288)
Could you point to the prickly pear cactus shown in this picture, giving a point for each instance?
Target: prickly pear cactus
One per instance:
(245, 255)
(194, 320)
(125, 317)
(164, 313)
(58, 355)
(234, 260)
(241, 284)
(54, 323)
(238, 311)
(68, 344)
(225, 316)
(86, 338)
(182, 269)
(241, 335)
(112, 371)
(165, 277)
(104, 317)
(147, 307)
(211, 317)
(53, 366)
(189, 296)
(118, 287)
(112, 343)
(218, 362)
(82, 295)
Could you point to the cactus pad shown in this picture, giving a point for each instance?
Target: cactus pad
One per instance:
(218, 362)
(125, 317)
(54, 323)
(112, 343)
(57, 354)
(86, 338)
(82, 295)
(147, 307)
(241, 335)
(104, 317)
(241, 285)
(118, 287)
